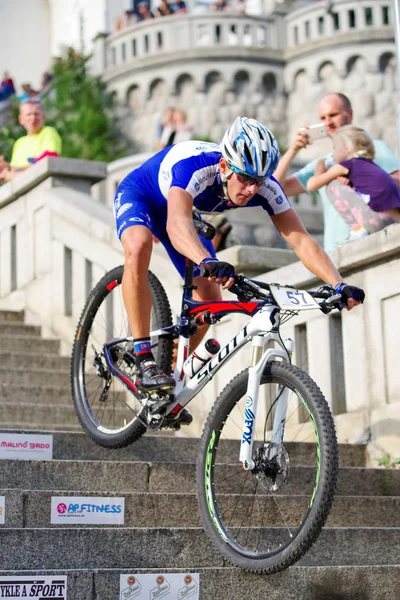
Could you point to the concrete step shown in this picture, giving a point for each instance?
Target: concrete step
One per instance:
(30, 360)
(160, 447)
(29, 376)
(44, 414)
(228, 583)
(28, 343)
(12, 315)
(186, 549)
(133, 476)
(18, 328)
(32, 508)
(11, 426)
(43, 394)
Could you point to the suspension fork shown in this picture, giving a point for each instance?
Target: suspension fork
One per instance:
(259, 360)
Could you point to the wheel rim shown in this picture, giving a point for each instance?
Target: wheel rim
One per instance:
(114, 411)
(253, 517)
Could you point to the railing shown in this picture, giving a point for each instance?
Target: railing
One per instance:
(57, 241)
(314, 22)
(183, 33)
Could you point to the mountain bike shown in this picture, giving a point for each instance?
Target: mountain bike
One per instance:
(268, 455)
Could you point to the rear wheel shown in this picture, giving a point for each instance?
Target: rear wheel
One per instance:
(106, 409)
(267, 518)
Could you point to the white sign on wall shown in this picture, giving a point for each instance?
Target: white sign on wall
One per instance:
(2, 510)
(49, 586)
(26, 446)
(152, 586)
(79, 510)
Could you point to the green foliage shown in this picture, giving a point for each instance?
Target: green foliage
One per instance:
(10, 131)
(80, 108)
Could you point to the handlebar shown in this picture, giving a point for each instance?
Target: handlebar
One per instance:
(248, 289)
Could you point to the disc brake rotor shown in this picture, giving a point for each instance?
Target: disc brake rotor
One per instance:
(272, 466)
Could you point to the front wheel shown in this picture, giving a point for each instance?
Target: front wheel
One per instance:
(107, 411)
(266, 519)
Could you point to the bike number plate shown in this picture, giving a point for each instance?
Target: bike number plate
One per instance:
(291, 299)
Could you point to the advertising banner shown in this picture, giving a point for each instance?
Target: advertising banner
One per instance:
(82, 510)
(41, 587)
(152, 586)
(26, 446)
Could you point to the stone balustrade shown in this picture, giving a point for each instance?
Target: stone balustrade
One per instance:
(182, 35)
(314, 23)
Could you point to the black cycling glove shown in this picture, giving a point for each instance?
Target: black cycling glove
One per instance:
(211, 267)
(350, 291)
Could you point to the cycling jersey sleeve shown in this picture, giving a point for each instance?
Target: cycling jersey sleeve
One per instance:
(272, 198)
(192, 166)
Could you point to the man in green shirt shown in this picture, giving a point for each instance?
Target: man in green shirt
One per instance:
(39, 139)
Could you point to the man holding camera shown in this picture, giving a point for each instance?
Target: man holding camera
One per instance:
(334, 111)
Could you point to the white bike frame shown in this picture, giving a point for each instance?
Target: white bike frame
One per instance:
(261, 329)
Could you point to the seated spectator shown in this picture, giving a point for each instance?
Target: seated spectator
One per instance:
(219, 6)
(144, 12)
(46, 79)
(163, 9)
(7, 88)
(178, 7)
(28, 92)
(30, 148)
(118, 24)
(237, 7)
(354, 153)
(130, 17)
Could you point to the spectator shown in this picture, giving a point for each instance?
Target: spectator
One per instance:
(7, 87)
(164, 9)
(219, 6)
(130, 17)
(30, 147)
(237, 7)
(28, 92)
(354, 153)
(183, 131)
(46, 79)
(178, 7)
(168, 129)
(144, 13)
(334, 111)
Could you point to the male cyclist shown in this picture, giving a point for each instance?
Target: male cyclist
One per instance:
(158, 198)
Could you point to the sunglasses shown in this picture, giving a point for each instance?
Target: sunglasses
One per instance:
(247, 179)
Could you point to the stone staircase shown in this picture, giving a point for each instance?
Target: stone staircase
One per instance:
(356, 557)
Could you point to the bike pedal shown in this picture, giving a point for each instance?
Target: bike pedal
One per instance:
(184, 418)
(155, 403)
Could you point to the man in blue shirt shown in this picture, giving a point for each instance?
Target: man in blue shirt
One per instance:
(158, 199)
(334, 111)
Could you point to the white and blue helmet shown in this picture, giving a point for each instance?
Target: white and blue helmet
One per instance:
(250, 148)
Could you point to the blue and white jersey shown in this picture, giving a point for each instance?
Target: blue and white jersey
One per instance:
(194, 167)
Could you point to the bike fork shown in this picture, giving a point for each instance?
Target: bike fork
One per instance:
(260, 359)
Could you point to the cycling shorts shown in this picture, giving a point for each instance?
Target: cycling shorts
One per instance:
(137, 211)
